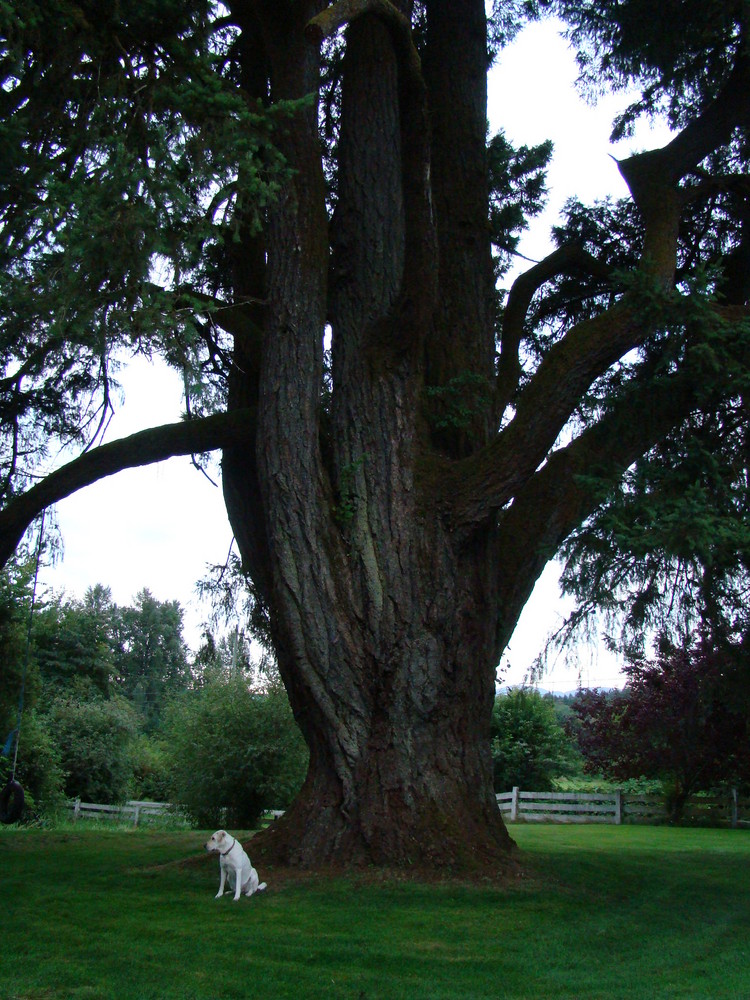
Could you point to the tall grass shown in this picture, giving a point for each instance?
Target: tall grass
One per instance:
(603, 912)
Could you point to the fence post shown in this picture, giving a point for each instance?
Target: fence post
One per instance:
(514, 804)
(618, 806)
(733, 805)
(76, 810)
(136, 813)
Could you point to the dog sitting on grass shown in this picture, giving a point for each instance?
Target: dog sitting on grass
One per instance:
(234, 864)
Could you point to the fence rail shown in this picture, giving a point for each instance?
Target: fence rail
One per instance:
(134, 810)
(561, 807)
(618, 807)
(516, 806)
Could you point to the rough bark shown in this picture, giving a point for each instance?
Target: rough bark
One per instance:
(385, 628)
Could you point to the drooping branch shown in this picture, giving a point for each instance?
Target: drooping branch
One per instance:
(143, 448)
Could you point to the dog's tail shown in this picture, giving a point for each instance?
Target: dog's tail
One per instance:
(261, 887)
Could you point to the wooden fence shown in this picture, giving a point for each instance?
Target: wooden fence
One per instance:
(516, 806)
(618, 807)
(562, 807)
(133, 810)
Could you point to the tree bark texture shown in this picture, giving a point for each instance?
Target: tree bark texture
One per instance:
(385, 626)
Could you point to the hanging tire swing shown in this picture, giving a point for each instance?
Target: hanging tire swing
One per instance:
(12, 796)
(11, 802)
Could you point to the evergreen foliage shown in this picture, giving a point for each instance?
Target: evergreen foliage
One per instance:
(74, 643)
(128, 155)
(151, 662)
(679, 56)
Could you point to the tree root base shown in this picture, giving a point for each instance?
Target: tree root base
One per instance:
(438, 850)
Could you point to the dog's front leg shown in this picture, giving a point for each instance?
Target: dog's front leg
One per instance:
(222, 881)
(237, 886)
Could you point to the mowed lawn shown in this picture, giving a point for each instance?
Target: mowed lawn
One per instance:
(605, 912)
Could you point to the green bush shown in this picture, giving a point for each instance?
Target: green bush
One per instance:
(598, 783)
(233, 752)
(39, 769)
(529, 746)
(150, 762)
(94, 739)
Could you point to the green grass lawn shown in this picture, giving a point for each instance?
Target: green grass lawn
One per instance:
(606, 912)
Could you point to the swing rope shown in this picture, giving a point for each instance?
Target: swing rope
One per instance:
(16, 733)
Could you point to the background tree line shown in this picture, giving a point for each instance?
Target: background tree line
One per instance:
(115, 706)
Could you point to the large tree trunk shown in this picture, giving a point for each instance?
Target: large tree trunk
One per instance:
(385, 619)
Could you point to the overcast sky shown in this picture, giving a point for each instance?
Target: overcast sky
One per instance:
(159, 526)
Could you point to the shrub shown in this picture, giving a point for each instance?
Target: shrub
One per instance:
(682, 719)
(150, 762)
(529, 746)
(39, 769)
(233, 752)
(94, 739)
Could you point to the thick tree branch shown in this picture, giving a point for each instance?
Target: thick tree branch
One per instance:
(713, 184)
(476, 486)
(653, 177)
(330, 20)
(557, 498)
(486, 481)
(665, 167)
(144, 448)
(491, 478)
(462, 337)
(569, 257)
(713, 128)
(418, 297)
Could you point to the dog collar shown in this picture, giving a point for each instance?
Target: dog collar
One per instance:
(224, 853)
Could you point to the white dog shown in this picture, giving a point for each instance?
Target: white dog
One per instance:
(235, 863)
